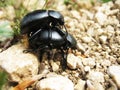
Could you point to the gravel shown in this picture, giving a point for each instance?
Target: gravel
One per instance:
(95, 63)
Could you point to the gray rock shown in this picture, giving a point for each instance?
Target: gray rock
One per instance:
(17, 64)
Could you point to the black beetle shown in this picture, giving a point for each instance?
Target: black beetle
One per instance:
(44, 30)
(52, 38)
(37, 19)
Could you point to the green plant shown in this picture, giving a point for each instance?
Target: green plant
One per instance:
(3, 79)
(4, 3)
(20, 12)
(5, 31)
(104, 1)
(72, 2)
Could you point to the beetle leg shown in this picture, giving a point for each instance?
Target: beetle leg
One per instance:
(40, 51)
(49, 54)
(64, 60)
(40, 54)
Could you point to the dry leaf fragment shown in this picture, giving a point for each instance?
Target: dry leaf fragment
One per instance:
(24, 84)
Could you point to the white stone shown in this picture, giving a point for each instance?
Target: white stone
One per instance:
(99, 31)
(89, 85)
(55, 66)
(56, 82)
(103, 39)
(94, 85)
(88, 62)
(96, 76)
(80, 85)
(80, 47)
(101, 18)
(43, 69)
(114, 72)
(74, 62)
(2, 14)
(75, 14)
(106, 63)
(86, 39)
(87, 69)
(10, 12)
(98, 86)
(117, 2)
(88, 13)
(17, 64)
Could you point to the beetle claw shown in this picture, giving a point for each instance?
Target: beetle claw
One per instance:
(28, 50)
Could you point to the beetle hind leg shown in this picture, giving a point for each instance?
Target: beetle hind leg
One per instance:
(64, 60)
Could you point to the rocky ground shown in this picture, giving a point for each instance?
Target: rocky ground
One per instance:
(93, 66)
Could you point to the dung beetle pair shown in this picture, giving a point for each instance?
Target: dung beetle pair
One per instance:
(44, 31)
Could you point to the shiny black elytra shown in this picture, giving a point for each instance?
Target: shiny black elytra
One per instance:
(37, 19)
(53, 38)
(44, 30)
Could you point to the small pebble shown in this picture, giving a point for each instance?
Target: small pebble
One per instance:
(80, 85)
(55, 66)
(87, 69)
(88, 62)
(72, 61)
(86, 39)
(103, 39)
